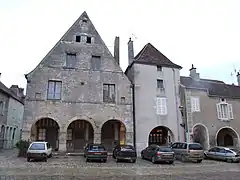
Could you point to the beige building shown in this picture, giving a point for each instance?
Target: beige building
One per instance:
(210, 110)
(78, 93)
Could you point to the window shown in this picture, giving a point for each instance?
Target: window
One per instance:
(195, 104)
(160, 84)
(96, 63)
(71, 60)
(224, 111)
(37, 146)
(109, 93)
(54, 89)
(89, 39)
(161, 106)
(78, 38)
(159, 68)
(1, 108)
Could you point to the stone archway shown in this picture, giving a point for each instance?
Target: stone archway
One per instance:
(113, 133)
(79, 133)
(227, 137)
(160, 135)
(200, 135)
(46, 129)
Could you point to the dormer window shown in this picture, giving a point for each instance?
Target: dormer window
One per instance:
(89, 40)
(159, 68)
(84, 20)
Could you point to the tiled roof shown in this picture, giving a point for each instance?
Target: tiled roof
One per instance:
(214, 87)
(150, 55)
(7, 91)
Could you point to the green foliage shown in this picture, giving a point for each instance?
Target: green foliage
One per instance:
(22, 146)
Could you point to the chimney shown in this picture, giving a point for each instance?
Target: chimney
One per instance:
(130, 51)
(194, 74)
(238, 78)
(116, 49)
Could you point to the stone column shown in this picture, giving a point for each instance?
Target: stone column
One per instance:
(116, 132)
(62, 141)
(97, 138)
(86, 132)
(129, 138)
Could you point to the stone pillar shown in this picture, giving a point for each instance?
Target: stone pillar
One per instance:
(86, 132)
(116, 132)
(129, 138)
(62, 141)
(97, 138)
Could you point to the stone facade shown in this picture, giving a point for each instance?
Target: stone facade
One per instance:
(11, 115)
(205, 124)
(81, 91)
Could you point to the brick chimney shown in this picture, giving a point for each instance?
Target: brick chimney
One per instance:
(194, 74)
(116, 49)
(130, 51)
(238, 78)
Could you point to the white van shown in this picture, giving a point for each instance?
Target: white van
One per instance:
(39, 150)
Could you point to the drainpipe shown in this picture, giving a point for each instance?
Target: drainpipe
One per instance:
(134, 117)
(177, 108)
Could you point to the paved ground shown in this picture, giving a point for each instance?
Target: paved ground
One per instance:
(76, 168)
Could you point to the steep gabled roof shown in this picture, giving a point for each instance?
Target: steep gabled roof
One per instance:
(8, 92)
(214, 87)
(149, 55)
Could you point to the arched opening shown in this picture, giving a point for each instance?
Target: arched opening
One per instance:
(161, 136)
(79, 133)
(200, 135)
(227, 137)
(113, 133)
(46, 129)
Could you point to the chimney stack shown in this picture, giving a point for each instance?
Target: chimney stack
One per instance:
(238, 78)
(130, 51)
(116, 49)
(194, 74)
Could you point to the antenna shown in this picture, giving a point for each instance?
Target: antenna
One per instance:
(233, 74)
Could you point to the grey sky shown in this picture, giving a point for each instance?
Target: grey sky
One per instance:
(202, 32)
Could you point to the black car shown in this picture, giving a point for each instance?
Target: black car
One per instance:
(95, 152)
(125, 152)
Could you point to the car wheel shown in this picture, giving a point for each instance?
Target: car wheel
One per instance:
(229, 160)
(50, 155)
(104, 160)
(117, 160)
(183, 159)
(170, 162)
(153, 160)
(113, 156)
(45, 159)
(133, 160)
(28, 159)
(87, 160)
(199, 161)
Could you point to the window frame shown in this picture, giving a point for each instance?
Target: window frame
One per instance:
(159, 106)
(228, 114)
(109, 99)
(54, 91)
(195, 104)
(159, 87)
(73, 63)
(94, 59)
(2, 107)
(159, 68)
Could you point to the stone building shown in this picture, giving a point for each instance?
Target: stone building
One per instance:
(11, 115)
(78, 93)
(155, 82)
(211, 110)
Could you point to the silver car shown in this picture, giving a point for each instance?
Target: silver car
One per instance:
(223, 154)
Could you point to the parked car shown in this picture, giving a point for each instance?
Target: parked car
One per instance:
(125, 152)
(39, 150)
(157, 153)
(223, 154)
(95, 152)
(188, 151)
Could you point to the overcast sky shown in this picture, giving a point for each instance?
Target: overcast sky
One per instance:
(205, 33)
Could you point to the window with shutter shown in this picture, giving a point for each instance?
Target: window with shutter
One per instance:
(218, 111)
(161, 106)
(195, 104)
(230, 111)
(158, 105)
(54, 90)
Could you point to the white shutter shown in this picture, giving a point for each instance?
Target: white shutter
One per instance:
(230, 111)
(219, 111)
(158, 105)
(197, 104)
(3, 108)
(193, 104)
(165, 106)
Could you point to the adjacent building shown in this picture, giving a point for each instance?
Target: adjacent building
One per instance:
(11, 115)
(211, 110)
(78, 93)
(157, 105)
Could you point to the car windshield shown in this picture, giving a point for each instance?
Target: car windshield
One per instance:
(236, 150)
(97, 148)
(37, 146)
(127, 147)
(165, 149)
(195, 147)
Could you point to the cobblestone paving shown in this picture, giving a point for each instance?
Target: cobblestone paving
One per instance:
(76, 168)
